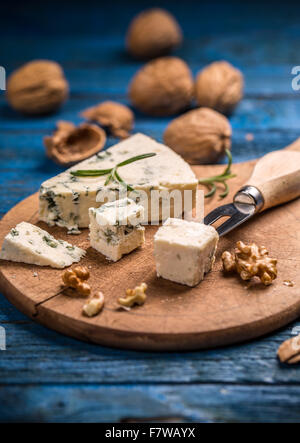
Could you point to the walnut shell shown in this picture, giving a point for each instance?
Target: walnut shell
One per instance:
(153, 33)
(70, 144)
(199, 136)
(116, 117)
(219, 86)
(37, 87)
(162, 87)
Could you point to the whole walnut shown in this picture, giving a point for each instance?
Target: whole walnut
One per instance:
(37, 87)
(118, 118)
(153, 33)
(162, 87)
(219, 86)
(199, 136)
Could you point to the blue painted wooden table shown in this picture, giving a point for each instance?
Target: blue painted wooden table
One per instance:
(47, 377)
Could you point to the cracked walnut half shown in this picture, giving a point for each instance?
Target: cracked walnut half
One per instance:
(249, 261)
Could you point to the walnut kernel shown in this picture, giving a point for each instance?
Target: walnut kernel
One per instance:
(136, 296)
(94, 305)
(82, 272)
(76, 278)
(219, 86)
(153, 33)
(249, 261)
(70, 144)
(162, 87)
(289, 351)
(37, 87)
(199, 136)
(116, 117)
(83, 289)
(229, 263)
(70, 279)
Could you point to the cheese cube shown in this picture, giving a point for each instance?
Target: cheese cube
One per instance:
(184, 251)
(27, 243)
(115, 228)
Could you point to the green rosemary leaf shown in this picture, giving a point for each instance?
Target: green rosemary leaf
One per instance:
(211, 192)
(216, 178)
(119, 179)
(100, 172)
(135, 159)
(225, 193)
(229, 156)
(107, 181)
(90, 172)
(210, 182)
(223, 178)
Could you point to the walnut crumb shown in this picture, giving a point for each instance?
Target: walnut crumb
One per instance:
(249, 137)
(249, 261)
(94, 305)
(136, 296)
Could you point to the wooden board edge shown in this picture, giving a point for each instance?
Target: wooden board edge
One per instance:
(25, 304)
(150, 342)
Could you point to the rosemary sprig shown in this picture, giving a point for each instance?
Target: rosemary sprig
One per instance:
(210, 182)
(112, 173)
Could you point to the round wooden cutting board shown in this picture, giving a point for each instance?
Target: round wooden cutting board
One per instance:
(220, 310)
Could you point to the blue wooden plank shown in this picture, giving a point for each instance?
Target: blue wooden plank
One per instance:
(194, 403)
(251, 115)
(35, 354)
(9, 314)
(104, 18)
(112, 77)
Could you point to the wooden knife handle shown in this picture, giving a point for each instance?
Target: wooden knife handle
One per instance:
(295, 146)
(277, 176)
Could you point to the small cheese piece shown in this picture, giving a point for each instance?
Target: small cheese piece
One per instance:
(184, 251)
(65, 199)
(27, 243)
(115, 228)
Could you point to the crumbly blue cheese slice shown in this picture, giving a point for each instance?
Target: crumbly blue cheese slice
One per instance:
(115, 228)
(27, 243)
(184, 251)
(65, 200)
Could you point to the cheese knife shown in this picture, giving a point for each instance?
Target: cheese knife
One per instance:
(275, 180)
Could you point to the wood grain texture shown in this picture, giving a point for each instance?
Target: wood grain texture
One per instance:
(181, 403)
(61, 360)
(218, 311)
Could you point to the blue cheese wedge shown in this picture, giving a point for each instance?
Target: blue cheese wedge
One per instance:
(27, 243)
(115, 228)
(184, 251)
(65, 199)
